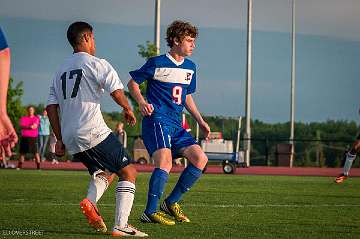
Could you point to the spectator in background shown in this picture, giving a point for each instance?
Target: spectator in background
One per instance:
(52, 143)
(44, 132)
(120, 133)
(29, 136)
(3, 163)
(8, 137)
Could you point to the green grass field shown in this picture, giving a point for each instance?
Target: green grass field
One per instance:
(220, 206)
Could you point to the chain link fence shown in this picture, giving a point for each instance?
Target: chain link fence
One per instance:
(307, 152)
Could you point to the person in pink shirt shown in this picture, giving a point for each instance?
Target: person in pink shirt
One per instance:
(29, 136)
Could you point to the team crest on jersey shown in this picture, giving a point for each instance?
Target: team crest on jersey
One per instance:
(188, 76)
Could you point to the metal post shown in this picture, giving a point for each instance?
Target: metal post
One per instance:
(157, 26)
(197, 131)
(248, 86)
(197, 140)
(292, 104)
(238, 136)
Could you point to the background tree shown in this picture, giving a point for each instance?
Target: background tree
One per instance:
(39, 108)
(14, 105)
(145, 51)
(336, 137)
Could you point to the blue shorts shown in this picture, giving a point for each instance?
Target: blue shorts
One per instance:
(109, 155)
(159, 134)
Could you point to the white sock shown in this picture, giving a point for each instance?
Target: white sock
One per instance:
(125, 192)
(348, 163)
(97, 187)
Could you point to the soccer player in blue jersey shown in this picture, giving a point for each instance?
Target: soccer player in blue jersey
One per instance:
(8, 137)
(171, 79)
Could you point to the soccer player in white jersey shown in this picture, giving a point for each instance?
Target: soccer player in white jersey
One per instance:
(74, 112)
(349, 158)
(171, 79)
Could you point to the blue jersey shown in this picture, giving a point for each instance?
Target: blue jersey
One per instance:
(168, 83)
(3, 43)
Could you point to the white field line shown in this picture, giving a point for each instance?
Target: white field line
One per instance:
(34, 203)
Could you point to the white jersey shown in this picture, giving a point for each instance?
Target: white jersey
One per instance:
(77, 88)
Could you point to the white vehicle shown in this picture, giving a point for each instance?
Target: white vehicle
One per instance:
(218, 149)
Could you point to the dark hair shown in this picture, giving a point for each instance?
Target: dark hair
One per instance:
(29, 107)
(179, 30)
(75, 31)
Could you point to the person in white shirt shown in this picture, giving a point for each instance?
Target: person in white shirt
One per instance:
(74, 112)
(52, 143)
(121, 133)
(350, 156)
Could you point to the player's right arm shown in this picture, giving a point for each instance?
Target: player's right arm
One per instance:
(145, 73)
(53, 115)
(146, 109)
(52, 109)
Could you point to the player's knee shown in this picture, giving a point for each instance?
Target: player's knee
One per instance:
(206, 159)
(165, 163)
(202, 158)
(105, 176)
(129, 173)
(356, 147)
(110, 177)
(165, 166)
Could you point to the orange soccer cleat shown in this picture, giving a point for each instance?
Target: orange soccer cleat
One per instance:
(341, 178)
(92, 214)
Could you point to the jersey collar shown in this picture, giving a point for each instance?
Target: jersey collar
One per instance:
(81, 53)
(177, 63)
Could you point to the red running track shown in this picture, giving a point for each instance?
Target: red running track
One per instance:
(212, 169)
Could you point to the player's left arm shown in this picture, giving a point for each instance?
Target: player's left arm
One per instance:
(120, 98)
(191, 107)
(110, 81)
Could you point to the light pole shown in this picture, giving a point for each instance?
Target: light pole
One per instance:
(292, 104)
(248, 86)
(157, 26)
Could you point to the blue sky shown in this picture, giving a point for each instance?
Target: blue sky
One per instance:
(328, 49)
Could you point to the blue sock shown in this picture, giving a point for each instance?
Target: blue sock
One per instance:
(157, 183)
(187, 179)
